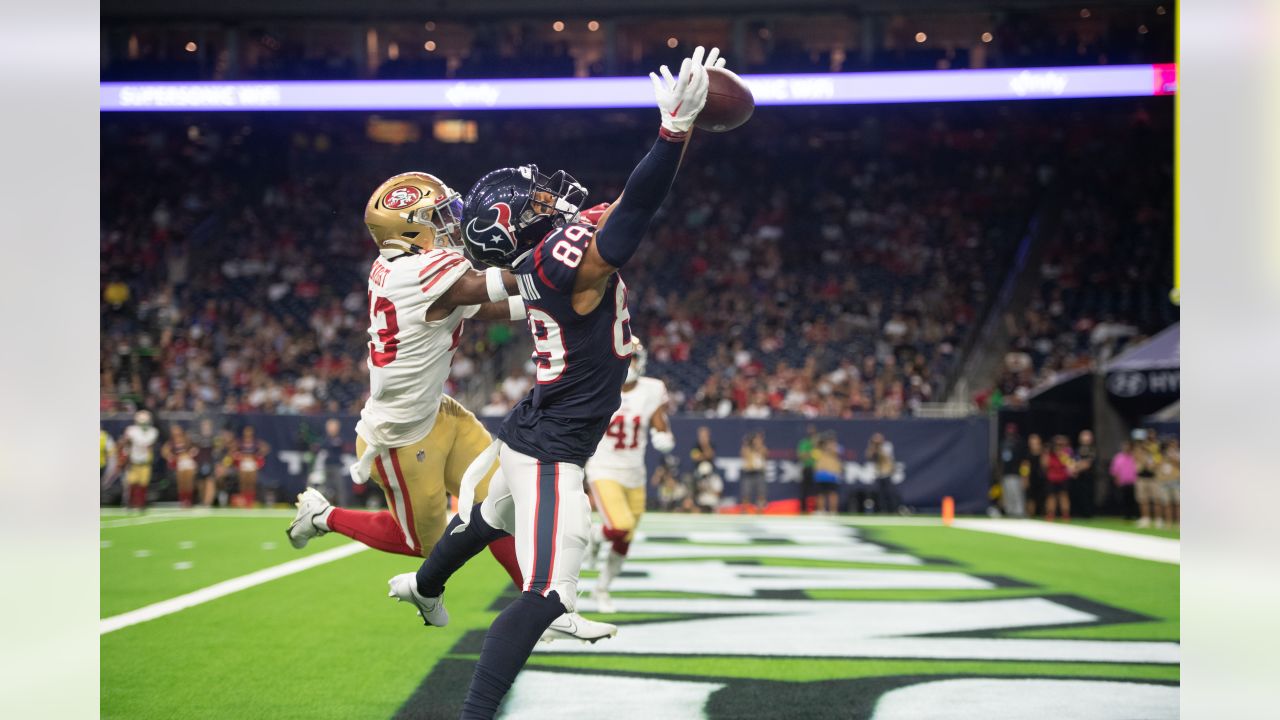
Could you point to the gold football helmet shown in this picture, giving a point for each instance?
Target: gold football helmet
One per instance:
(412, 212)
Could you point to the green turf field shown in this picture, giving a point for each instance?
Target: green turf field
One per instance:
(721, 617)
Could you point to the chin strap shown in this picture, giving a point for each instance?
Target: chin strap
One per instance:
(406, 248)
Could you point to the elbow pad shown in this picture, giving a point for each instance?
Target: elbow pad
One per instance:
(663, 442)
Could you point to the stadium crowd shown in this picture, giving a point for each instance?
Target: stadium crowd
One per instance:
(1049, 477)
(832, 272)
(570, 47)
(1104, 276)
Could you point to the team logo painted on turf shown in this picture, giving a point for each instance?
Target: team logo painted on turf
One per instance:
(737, 607)
(401, 197)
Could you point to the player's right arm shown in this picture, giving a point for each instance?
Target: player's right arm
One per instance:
(664, 441)
(680, 99)
(491, 289)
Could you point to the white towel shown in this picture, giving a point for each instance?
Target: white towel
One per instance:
(471, 478)
(363, 467)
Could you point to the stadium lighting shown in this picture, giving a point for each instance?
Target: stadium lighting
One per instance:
(635, 92)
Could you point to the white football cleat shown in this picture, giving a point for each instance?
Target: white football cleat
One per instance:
(604, 603)
(572, 626)
(311, 507)
(405, 589)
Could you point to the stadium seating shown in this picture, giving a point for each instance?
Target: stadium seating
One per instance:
(837, 271)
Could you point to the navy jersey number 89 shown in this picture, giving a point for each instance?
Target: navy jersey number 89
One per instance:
(581, 360)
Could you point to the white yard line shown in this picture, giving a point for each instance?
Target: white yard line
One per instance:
(1116, 542)
(213, 592)
(114, 520)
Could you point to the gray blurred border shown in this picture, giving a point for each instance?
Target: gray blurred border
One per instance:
(1230, 239)
(48, 364)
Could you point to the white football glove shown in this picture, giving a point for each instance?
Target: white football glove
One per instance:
(663, 442)
(713, 59)
(680, 99)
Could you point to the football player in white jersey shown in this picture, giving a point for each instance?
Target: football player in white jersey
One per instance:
(616, 473)
(414, 441)
(139, 441)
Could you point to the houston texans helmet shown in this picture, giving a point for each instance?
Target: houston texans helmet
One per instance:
(510, 210)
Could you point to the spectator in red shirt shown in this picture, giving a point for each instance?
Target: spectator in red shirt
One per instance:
(1059, 467)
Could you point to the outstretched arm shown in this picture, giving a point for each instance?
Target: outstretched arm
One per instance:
(625, 223)
(510, 309)
(474, 288)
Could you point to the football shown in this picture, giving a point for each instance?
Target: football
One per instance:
(729, 102)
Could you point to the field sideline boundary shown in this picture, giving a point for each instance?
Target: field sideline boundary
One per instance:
(1116, 542)
(109, 520)
(226, 587)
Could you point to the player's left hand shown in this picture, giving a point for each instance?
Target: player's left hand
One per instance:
(681, 98)
(593, 214)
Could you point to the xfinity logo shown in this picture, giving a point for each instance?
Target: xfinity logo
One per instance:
(473, 94)
(1038, 83)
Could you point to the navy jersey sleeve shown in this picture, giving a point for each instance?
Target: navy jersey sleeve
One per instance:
(556, 259)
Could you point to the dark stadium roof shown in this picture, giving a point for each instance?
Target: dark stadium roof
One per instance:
(248, 9)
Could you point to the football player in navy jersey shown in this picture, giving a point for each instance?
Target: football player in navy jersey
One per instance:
(567, 271)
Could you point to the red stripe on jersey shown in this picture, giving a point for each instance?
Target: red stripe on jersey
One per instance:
(537, 501)
(444, 270)
(404, 493)
(555, 529)
(443, 256)
(537, 265)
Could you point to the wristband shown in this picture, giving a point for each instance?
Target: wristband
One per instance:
(516, 304)
(493, 283)
(672, 135)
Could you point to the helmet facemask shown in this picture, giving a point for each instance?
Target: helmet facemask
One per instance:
(557, 198)
(444, 218)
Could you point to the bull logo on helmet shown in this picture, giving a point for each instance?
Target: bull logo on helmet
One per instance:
(401, 197)
(493, 227)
